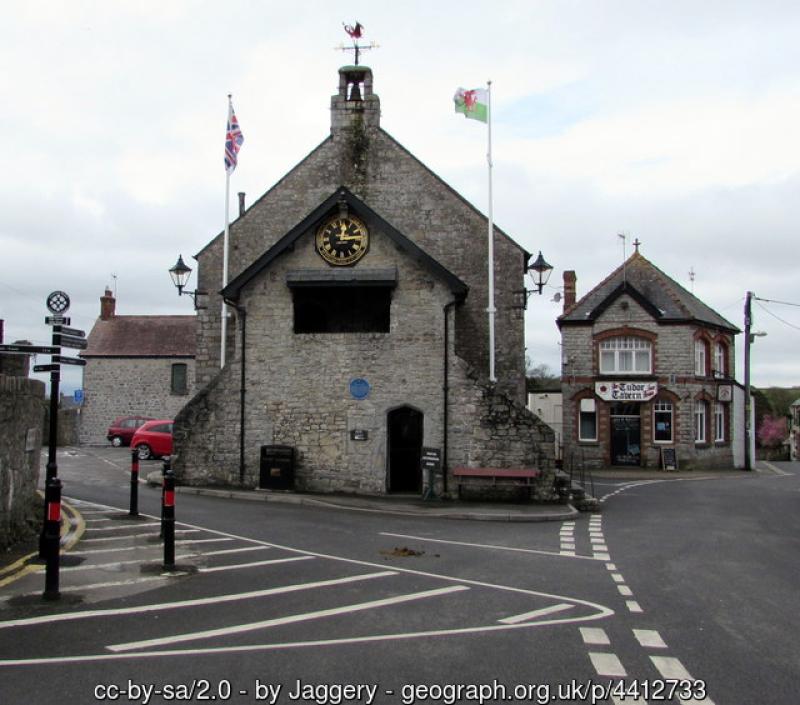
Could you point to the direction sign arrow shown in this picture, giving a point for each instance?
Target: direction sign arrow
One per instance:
(57, 320)
(69, 341)
(69, 360)
(29, 349)
(58, 328)
(45, 368)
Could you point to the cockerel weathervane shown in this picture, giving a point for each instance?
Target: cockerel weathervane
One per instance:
(356, 32)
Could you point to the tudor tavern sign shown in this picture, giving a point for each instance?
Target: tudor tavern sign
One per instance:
(626, 391)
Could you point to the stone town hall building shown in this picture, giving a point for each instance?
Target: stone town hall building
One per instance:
(357, 295)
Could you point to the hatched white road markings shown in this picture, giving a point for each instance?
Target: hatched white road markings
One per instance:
(143, 537)
(595, 636)
(162, 606)
(649, 639)
(289, 619)
(528, 616)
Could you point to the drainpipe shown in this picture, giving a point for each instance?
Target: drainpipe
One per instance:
(242, 313)
(445, 389)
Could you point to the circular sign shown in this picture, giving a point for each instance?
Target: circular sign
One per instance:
(359, 388)
(58, 302)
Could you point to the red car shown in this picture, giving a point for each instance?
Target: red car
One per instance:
(122, 429)
(153, 439)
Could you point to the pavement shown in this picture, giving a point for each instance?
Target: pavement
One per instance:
(407, 505)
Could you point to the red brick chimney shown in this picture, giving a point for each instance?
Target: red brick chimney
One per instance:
(108, 306)
(569, 288)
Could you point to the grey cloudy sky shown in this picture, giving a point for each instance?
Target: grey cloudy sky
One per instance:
(675, 122)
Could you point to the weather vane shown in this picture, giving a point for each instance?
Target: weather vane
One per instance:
(356, 32)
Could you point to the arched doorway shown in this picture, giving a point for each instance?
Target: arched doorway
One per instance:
(404, 433)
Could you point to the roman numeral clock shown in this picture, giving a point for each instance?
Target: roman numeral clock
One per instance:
(342, 240)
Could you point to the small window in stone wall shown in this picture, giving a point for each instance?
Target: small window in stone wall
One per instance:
(349, 309)
(179, 378)
(587, 421)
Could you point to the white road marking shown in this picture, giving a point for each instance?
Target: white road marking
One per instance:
(120, 527)
(482, 545)
(607, 665)
(594, 636)
(624, 590)
(775, 469)
(649, 638)
(633, 606)
(528, 616)
(256, 564)
(610, 566)
(601, 556)
(617, 578)
(143, 537)
(289, 619)
(671, 668)
(47, 619)
(97, 521)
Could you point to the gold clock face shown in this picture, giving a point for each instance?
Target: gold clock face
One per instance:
(342, 241)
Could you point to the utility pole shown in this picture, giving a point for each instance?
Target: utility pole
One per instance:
(748, 431)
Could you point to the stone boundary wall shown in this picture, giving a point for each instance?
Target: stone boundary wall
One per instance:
(21, 414)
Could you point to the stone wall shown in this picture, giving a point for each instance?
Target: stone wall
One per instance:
(21, 412)
(297, 390)
(128, 387)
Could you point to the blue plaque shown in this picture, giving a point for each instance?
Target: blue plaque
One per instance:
(359, 388)
(77, 395)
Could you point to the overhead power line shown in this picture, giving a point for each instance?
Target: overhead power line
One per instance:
(764, 308)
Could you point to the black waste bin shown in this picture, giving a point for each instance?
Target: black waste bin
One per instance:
(277, 468)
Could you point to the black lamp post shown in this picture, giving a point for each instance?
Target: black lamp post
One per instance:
(180, 274)
(543, 271)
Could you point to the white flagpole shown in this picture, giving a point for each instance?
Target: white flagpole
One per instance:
(491, 309)
(224, 312)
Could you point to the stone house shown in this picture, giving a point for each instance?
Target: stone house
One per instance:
(359, 334)
(135, 365)
(647, 374)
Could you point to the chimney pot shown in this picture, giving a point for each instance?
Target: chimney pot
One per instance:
(570, 288)
(108, 305)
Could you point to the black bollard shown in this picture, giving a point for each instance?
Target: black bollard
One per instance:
(134, 511)
(168, 516)
(52, 537)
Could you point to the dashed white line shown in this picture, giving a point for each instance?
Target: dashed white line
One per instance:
(633, 606)
(607, 665)
(649, 638)
(594, 636)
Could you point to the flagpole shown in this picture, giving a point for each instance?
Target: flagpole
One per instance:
(491, 309)
(223, 312)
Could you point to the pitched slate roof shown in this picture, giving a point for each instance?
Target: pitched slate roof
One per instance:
(665, 299)
(142, 336)
(372, 219)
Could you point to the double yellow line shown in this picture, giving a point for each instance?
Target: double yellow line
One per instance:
(72, 528)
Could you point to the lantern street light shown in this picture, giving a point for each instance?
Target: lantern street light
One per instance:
(543, 271)
(180, 274)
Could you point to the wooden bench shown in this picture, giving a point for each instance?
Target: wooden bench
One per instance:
(523, 476)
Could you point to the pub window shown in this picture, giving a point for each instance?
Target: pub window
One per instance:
(700, 422)
(719, 423)
(662, 421)
(587, 422)
(625, 355)
(341, 309)
(720, 357)
(179, 378)
(700, 357)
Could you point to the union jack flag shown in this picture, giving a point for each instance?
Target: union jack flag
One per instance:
(233, 140)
